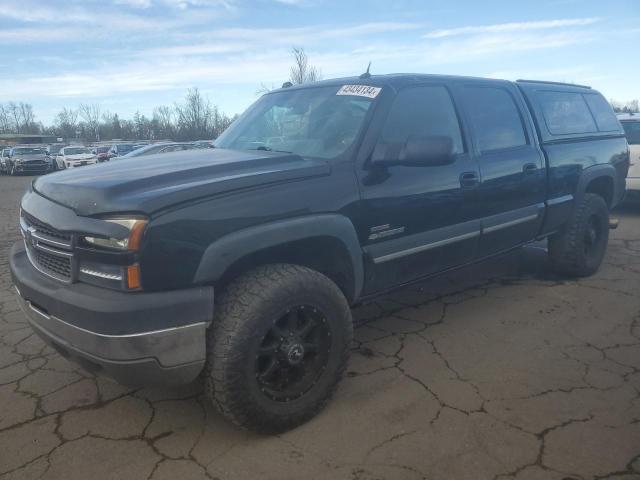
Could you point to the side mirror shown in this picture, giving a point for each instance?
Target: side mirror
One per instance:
(416, 152)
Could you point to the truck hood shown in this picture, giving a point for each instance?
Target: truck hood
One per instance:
(154, 182)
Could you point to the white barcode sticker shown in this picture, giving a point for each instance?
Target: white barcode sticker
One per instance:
(359, 91)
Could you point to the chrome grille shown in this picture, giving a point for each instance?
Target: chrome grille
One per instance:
(54, 263)
(45, 229)
(49, 250)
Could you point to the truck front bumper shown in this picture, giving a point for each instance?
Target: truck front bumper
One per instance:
(136, 338)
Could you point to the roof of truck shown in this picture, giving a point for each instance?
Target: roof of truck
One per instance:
(399, 80)
(394, 80)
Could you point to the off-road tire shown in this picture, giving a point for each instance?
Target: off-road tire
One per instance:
(244, 312)
(568, 250)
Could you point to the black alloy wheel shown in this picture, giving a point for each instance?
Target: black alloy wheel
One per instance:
(293, 354)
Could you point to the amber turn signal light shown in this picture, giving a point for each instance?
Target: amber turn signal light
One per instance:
(133, 277)
(135, 237)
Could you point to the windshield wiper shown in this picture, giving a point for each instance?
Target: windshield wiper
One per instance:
(269, 149)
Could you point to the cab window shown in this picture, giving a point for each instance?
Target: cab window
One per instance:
(420, 112)
(496, 120)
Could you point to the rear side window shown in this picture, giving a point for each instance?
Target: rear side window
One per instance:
(605, 118)
(423, 112)
(566, 113)
(495, 117)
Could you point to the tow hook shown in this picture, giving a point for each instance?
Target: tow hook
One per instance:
(613, 223)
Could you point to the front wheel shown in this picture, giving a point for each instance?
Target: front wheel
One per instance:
(579, 249)
(278, 346)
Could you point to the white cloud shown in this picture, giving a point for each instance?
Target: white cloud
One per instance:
(180, 4)
(511, 27)
(30, 35)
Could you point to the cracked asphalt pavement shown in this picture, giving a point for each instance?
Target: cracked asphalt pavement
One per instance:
(497, 371)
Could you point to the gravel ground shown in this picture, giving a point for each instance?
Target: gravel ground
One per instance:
(502, 370)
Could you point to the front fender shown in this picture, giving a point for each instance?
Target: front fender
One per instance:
(224, 252)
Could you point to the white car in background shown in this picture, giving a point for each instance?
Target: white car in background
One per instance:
(631, 124)
(75, 156)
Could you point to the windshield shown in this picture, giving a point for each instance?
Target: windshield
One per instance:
(632, 132)
(28, 151)
(313, 122)
(76, 151)
(125, 148)
(102, 149)
(146, 150)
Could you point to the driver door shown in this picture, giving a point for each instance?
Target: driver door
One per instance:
(418, 220)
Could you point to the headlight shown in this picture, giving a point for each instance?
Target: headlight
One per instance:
(131, 243)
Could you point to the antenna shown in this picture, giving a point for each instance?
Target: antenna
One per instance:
(366, 74)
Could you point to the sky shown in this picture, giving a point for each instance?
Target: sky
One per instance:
(133, 55)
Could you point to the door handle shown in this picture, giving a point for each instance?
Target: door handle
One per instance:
(469, 179)
(529, 168)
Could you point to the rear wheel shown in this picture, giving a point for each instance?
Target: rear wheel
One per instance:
(579, 249)
(277, 348)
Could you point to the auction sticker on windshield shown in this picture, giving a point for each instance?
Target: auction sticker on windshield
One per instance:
(359, 91)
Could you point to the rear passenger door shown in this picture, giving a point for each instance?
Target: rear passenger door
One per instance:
(513, 184)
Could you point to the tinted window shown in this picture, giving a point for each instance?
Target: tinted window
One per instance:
(124, 148)
(496, 119)
(422, 112)
(605, 118)
(566, 113)
(632, 132)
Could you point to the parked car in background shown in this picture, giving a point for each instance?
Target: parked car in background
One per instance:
(204, 144)
(102, 153)
(53, 149)
(28, 159)
(75, 156)
(159, 148)
(4, 157)
(631, 124)
(120, 149)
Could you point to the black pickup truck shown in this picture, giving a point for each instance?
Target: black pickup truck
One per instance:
(317, 198)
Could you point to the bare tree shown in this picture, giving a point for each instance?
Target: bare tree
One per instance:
(194, 116)
(264, 88)
(5, 120)
(631, 106)
(301, 71)
(163, 115)
(14, 116)
(67, 122)
(90, 113)
(27, 118)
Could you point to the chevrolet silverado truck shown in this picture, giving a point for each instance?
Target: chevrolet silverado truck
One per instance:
(239, 264)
